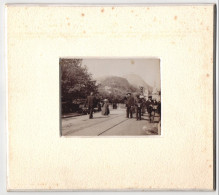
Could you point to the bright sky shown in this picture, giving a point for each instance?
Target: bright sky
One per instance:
(148, 69)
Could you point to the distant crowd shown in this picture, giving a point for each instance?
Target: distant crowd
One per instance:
(134, 104)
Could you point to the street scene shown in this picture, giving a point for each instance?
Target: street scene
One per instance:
(109, 97)
(113, 124)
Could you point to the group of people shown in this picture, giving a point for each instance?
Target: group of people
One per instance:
(138, 104)
(133, 104)
(91, 103)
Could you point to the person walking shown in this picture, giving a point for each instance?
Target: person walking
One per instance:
(99, 106)
(143, 105)
(138, 107)
(105, 109)
(129, 105)
(149, 108)
(90, 102)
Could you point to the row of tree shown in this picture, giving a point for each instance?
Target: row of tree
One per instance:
(76, 82)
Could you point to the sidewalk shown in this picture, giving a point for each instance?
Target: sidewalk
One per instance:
(71, 115)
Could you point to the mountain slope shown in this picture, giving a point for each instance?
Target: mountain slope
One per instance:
(115, 87)
(137, 81)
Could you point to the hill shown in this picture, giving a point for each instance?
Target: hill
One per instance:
(114, 87)
(137, 81)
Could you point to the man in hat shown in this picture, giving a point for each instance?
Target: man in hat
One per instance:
(90, 103)
(138, 107)
(129, 105)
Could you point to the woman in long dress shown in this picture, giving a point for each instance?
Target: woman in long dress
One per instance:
(105, 108)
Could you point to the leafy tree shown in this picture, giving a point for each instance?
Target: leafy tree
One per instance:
(76, 82)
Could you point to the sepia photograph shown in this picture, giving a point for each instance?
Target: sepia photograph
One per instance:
(110, 97)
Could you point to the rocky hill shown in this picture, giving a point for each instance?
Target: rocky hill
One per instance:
(137, 81)
(115, 87)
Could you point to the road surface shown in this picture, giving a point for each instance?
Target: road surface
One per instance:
(116, 124)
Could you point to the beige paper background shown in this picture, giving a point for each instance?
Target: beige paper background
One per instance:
(38, 158)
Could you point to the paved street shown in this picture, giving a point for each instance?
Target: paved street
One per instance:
(116, 124)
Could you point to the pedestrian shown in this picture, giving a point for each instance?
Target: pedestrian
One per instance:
(149, 108)
(105, 108)
(129, 105)
(90, 102)
(138, 107)
(99, 106)
(114, 105)
(143, 105)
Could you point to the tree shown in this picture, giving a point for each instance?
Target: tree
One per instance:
(76, 82)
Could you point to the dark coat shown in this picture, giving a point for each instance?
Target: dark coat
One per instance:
(149, 105)
(138, 103)
(90, 102)
(130, 101)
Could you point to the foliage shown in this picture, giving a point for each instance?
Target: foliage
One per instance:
(76, 82)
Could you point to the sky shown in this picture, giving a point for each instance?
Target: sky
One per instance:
(148, 69)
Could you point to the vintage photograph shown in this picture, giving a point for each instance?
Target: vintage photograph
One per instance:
(110, 97)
